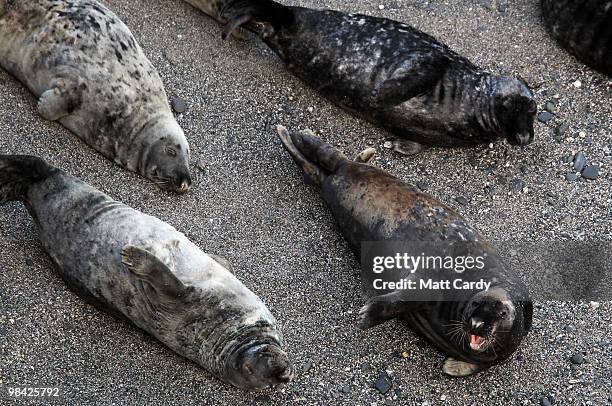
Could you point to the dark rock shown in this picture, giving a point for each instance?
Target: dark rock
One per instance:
(571, 176)
(591, 172)
(516, 185)
(524, 169)
(588, 141)
(462, 200)
(567, 159)
(544, 401)
(577, 358)
(423, 186)
(383, 383)
(346, 389)
(562, 129)
(579, 162)
(502, 6)
(307, 366)
(592, 126)
(3, 332)
(544, 117)
(263, 399)
(366, 367)
(178, 105)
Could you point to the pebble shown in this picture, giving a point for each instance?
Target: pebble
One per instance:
(366, 367)
(577, 358)
(516, 185)
(462, 200)
(591, 172)
(388, 144)
(346, 389)
(594, 305)
(579, 162)
(571, 176)
(381, 7)
(201, 164)
(577, 84)
(383, 383)
(423, 186)
(549, 106)
(544, 401)
(178, 105)
(561, 129)
(307, 366)
(544, 116)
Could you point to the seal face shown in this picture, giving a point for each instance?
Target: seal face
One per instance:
(142, 270)
(371, 205)
(91, 75)
(391, 74)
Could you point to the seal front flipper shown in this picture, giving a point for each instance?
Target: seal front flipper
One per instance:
(19, 172)
(242, 12)
(365, 156)
(382, 308)
(56, 103)
(458, 369)
(152, 271)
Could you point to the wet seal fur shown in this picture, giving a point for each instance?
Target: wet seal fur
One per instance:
(389, 73)
(91, 75)
(371, 205)
(584, 28)
(142, 270)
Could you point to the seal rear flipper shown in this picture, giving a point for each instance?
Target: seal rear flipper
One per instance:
(456, 368)
(55, 103)
(152, 271)
(382, 308)
(241, 12)
(19, 172)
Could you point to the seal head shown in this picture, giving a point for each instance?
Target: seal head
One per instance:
(257, 366)
(514, 110)
(163, 155)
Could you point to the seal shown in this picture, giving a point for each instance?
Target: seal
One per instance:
(144, 271)
(371, 205)
(582, 28)
(388, 73)
(91, 75)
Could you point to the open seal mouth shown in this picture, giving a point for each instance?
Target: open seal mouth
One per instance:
(477, 343)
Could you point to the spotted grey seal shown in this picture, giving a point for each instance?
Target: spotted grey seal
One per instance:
(584, 28)
(91, 75)
(371, 205)
(389, 73)
(142, 270)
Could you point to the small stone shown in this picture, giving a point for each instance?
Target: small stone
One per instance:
(594, 305)
(581, 134)
(579, 162)
(516, 185)
(591, 172)
(562, 129)
(544, 401)
(544, 117)
(381, 7)
(405, 354)
(571, 176)
(263, 399)
(346, 389)
(366, 367)
(569, 328)
(550, 107)
(588, 141)
(443, 398)
(310, 109)
(462, 200)
(178, 105)
(201, 164)
(592, 126)
(577, 358)
(423, 186)
(388, 144)
(577, 84)
(307, 366)
(383, 383)
(568, 159)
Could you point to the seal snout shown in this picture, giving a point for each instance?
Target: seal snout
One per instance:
(263, 365)
(182, 182)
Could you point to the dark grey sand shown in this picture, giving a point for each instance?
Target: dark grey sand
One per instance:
(249, 204)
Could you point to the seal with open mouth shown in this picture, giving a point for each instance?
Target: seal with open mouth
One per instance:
(389, 73)
(91, 75)
(371, 205)
(144, 271)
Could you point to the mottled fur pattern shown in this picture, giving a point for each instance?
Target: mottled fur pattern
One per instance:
(390, 73)
(143, 270)
(92, 76)
(371, 205)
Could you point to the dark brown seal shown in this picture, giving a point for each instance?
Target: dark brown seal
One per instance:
(371, 205)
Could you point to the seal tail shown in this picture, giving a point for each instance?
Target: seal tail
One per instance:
(316, 158)
(238, 13)
(18, 173)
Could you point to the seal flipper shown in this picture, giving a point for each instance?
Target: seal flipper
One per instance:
(223, 262)
(55, 103)
(19, 172)
(382, 308)
(241, 12)
(458, 369)
(151, 270)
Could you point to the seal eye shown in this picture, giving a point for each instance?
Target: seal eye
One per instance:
(503, 314)
(171, 152)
